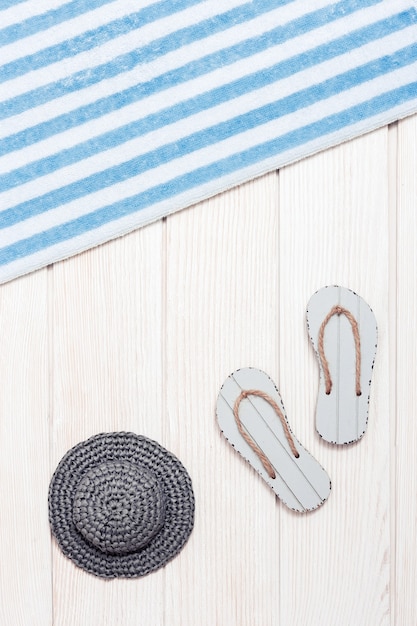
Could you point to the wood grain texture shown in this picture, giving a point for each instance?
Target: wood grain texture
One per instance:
(107, 376)
(25, 544)
(139, 334)
(404, 500)
(337, 560)
(221, 286)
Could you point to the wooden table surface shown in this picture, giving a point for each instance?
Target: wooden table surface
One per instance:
(140, 333)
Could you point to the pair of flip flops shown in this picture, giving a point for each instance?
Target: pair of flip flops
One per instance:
(251, 414)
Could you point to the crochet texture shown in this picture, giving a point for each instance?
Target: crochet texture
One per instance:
(120, 505)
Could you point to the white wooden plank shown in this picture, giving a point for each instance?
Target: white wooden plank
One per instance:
(25, 572)
(107, 376)
(221, 314)
(333, 225)
(405, 450)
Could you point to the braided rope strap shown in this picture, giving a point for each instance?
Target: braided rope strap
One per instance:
(339, 310)
(262, 456)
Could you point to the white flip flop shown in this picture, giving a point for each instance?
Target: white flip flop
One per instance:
(343, 331)
(252, 417)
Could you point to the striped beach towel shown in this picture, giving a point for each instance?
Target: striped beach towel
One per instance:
(114, 113)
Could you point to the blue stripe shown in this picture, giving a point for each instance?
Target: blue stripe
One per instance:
(203, 138)
(41, 22)
(208, 173)
(216, 96)
(187, 72)
(153, 50)
(6, 4)
(86, 78)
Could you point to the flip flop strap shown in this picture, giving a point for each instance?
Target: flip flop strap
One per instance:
(263, 458)
(339, 310)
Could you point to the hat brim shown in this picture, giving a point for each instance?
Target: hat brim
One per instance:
(136, 449)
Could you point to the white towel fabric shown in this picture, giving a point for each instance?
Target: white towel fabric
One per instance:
(115, 113)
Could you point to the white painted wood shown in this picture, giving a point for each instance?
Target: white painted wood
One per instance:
(342, 415)
(335, 563)
(107, 376)
(139, 334)
(404, 447)
(300, 481)
(25, 547)
(221, 313)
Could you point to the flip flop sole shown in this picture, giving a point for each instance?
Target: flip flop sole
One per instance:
(301, 483)
(342, 414)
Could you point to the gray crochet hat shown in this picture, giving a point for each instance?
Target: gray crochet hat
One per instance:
(120, 505)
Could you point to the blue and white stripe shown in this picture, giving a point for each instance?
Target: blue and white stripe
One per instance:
(112, 116)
